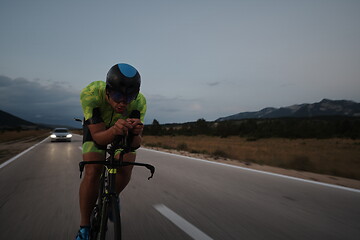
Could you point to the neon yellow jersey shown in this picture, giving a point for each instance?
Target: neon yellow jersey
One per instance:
(94, 97)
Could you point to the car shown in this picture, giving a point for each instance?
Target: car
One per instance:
(61, 134)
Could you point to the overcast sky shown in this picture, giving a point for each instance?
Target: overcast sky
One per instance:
(197, 58)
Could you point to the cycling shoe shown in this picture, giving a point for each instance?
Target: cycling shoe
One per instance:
(83, 234)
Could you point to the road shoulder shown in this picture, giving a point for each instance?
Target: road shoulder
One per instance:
(339, 181)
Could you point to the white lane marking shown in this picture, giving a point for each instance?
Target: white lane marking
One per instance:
(180, 222)
(20, 154)
(258, 171)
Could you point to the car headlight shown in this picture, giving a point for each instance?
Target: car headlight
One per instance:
(53, 136)
(69, 136)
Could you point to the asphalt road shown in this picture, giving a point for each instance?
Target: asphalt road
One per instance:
(186, 199)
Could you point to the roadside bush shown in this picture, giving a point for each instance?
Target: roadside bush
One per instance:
(182, 147)
(219, 154)
(301, 163)
(198, 152)
(158, 144)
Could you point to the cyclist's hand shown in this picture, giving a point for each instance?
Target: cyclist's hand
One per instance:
(137, 126)
(121, 127)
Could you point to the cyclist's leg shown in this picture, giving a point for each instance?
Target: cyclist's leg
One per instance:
(89, 186)
(124, 174)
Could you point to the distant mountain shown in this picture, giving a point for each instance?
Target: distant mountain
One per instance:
(8, 120)
(325, 107)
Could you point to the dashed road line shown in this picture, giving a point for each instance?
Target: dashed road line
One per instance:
(181, 223)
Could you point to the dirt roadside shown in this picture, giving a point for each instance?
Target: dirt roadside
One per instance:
(344, 182)
(12, 148)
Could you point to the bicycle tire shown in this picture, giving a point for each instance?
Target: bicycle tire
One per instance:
(94, 223)
(103, 219)
(115, 208)
(96, 212)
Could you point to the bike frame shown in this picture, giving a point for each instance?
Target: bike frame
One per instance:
(108, 196)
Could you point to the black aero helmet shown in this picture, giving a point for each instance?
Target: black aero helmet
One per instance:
(123, 82)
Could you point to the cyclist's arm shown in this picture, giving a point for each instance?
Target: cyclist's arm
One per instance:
(103, 136)
(138, 123)
(136, 140)
(135, 132)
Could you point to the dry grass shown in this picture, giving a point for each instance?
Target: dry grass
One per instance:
(14, 142)
(8, 136)
(338, 157)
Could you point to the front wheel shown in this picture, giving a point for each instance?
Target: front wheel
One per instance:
(94, 223)
(103, 219)
(115, 208)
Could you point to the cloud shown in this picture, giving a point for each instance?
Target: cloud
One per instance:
(4, 81)
(195, 106)
(45, 101)
(172, 109)
(212, 84)
(39, 101)
(177, 109)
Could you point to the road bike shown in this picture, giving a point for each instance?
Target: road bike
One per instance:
(108, 202)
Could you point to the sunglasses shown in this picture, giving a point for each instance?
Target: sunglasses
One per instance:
(119, 97)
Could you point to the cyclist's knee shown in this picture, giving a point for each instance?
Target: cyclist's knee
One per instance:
(93, 171)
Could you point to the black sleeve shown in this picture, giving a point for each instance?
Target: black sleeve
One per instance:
(96, 117)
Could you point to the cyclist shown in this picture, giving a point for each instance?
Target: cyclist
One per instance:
(107, 106)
